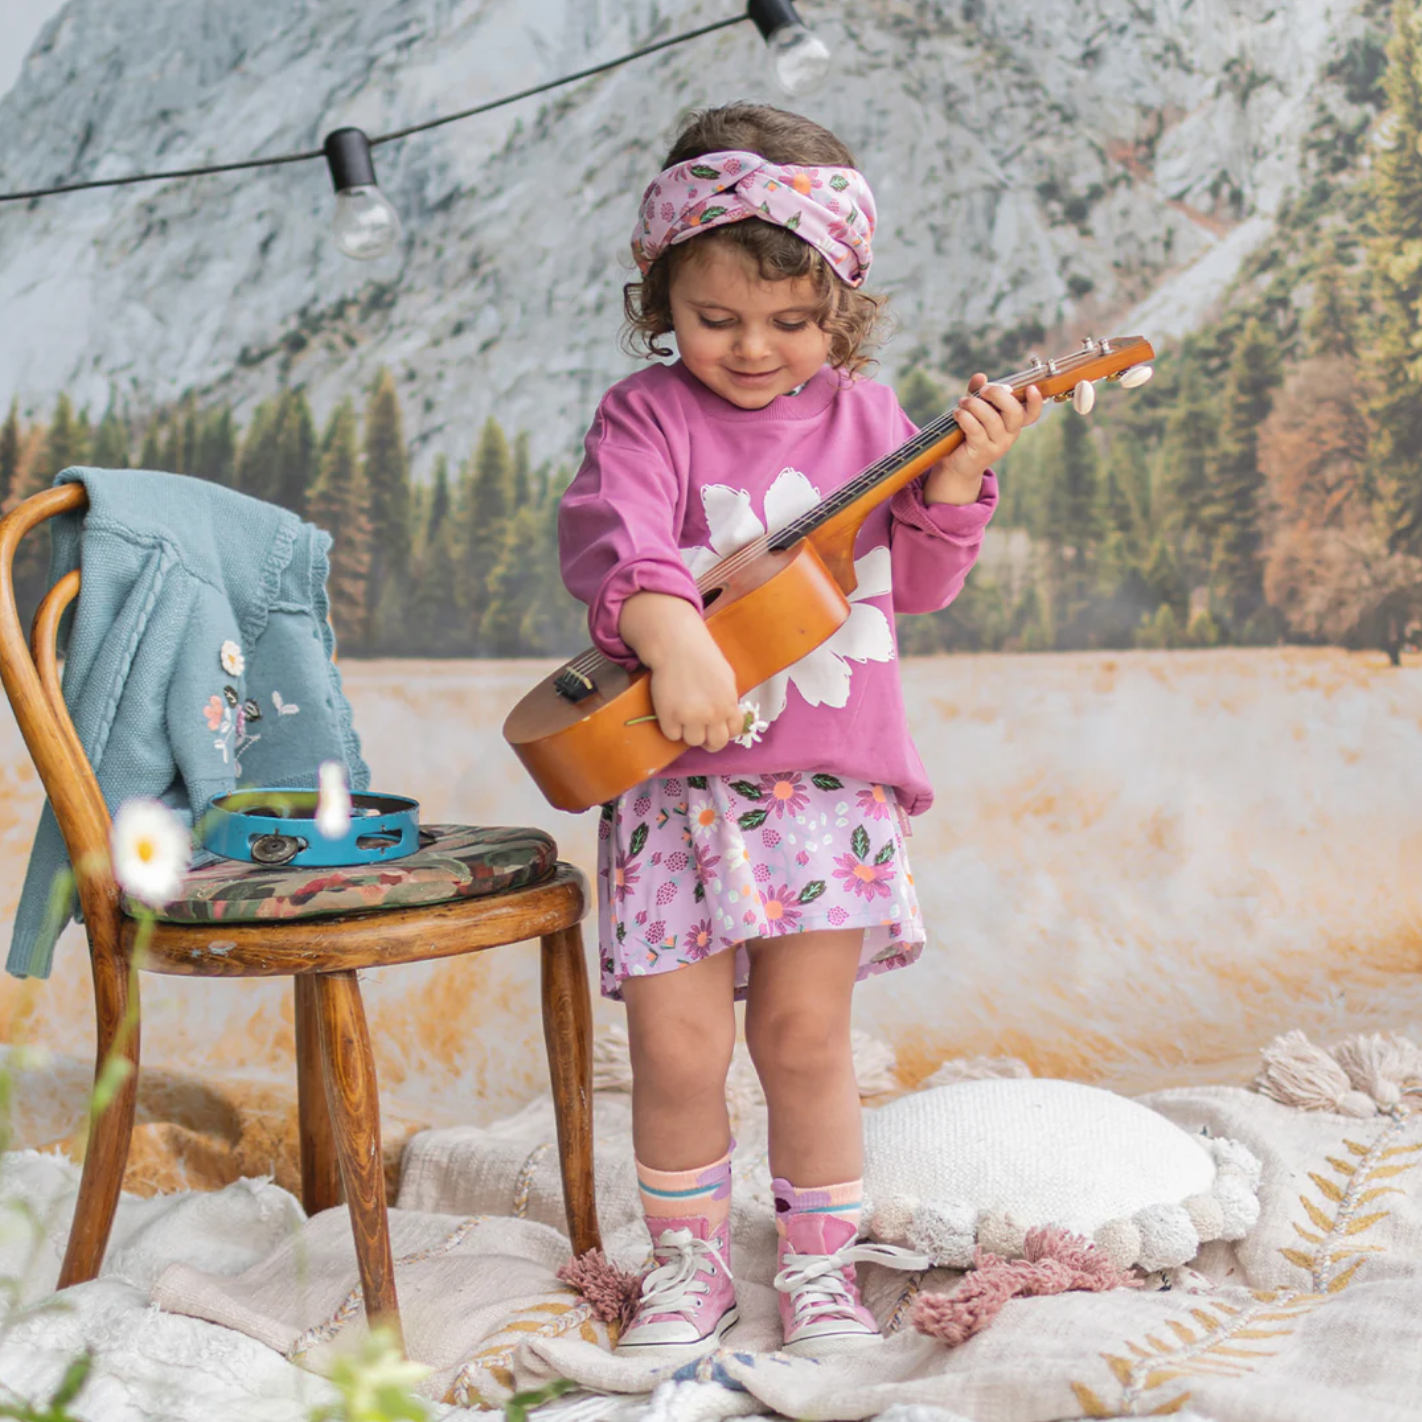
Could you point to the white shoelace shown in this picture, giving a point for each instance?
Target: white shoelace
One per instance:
(816, 1282)
(667, 1289)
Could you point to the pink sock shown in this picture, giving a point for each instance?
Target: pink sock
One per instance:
(675, 1194)
(843, 1201)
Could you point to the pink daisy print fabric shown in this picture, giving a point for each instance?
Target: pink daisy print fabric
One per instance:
(694, 865)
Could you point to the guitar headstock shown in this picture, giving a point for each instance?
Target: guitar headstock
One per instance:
(1072, 377)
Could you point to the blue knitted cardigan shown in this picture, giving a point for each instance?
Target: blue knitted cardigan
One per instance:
(198, 658)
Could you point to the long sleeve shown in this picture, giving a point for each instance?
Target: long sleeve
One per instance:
(933, 546)
(618, 522)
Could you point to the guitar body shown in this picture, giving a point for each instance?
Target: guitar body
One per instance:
(764, 618)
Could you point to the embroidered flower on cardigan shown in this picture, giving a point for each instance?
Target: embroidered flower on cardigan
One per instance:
(233, 662)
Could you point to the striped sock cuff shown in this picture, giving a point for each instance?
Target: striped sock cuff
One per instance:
(674, 1194)
(844, 1201)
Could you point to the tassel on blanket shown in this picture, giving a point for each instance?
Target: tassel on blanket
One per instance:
(1055, 1262)
(1360, 1076)
(612, 1292)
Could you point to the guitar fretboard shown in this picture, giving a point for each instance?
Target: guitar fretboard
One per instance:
(932, 433)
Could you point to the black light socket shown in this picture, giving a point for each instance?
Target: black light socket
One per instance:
(771, 15)
(348, 157)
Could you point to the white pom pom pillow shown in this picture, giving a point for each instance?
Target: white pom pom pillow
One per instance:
(982, 1162)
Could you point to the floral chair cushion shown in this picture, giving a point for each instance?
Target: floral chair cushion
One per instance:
(453, 862)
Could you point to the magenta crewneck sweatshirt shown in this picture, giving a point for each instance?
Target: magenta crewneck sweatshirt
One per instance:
(674, 478)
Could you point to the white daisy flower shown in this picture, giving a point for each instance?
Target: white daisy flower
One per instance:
(151, 848)
(821, 676)
(703, 817)
(333, 801)
(233, 662)
(753, 727)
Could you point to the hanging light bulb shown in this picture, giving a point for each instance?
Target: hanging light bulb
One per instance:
(800, 58)
(366, 226)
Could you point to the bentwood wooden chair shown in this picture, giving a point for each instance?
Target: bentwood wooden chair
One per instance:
(337, 1104)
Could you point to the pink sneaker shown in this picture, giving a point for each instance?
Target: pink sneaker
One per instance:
(688, 1298)
(820, 1308)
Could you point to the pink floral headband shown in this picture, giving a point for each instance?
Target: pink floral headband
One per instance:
(830, 208)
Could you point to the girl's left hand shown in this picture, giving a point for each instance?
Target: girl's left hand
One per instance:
(991, 417)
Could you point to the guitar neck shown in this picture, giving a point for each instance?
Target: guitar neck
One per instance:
(851, 503)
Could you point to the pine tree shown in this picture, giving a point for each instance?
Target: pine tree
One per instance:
(173, 446)
(1181, 502)
(279, 460)
(1069, 527)
(150, 456)
(554, 622)
(387, 475)
(338, 504)
(1395, 263)
(513, 585)
(297, 460)
(9, 450)
(111, 441)
(920, 397)
(436, 626)
(66, 444)
(1238, 503)
(215, 454)
(521, 479)
(488, 495)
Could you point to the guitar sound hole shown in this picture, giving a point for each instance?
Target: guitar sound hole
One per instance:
(711, 597)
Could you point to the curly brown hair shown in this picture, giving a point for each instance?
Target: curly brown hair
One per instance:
(849, 316)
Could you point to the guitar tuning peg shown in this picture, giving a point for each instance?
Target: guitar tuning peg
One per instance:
(1136, 376)
(1083, 397)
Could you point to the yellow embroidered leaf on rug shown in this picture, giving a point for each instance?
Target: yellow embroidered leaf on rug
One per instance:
(1122, 1369)
(1297, 1256)
(1370, 1195)
(1327, 1187)
(1186, 1335)
(1090, 1404)
(1341, 1166)
(1315, 1214)
(1364, 1222)
(1345, 1278)
(1206, 1320)
(1356, 1148)
(1174, 1405)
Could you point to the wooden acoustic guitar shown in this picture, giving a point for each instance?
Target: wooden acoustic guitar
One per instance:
(588, 732)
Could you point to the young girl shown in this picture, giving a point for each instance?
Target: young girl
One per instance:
(770, 862)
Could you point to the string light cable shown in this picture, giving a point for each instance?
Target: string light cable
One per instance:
(366, 224)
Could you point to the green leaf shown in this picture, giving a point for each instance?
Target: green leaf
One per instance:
(116, 1070)
(746, 789)
(516, 1408)
(608, 811)
(697, 782)
(859, 842)
(705, 170)
(753, 819)
(639, 841)
(811, 891)
(839, 182)
(621, 932)
(72, 1383)
(793, 223)
(710, 215)
(826, 782)
(885, 854)
(699, 893)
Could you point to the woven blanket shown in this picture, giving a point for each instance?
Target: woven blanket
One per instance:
(1312, 1318)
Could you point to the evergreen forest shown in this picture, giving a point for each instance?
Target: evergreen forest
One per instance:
(1266, 486)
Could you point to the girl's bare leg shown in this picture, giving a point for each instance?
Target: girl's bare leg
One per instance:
(682, 1030)
(797, 1028)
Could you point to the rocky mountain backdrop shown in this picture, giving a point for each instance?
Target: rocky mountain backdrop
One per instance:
(1043, 168)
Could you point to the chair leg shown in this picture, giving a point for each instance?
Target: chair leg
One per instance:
(320, 1167)
(355, 1120)
(111, 1132)
(567, 1030)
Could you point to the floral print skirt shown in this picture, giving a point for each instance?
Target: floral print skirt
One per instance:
(694, 865)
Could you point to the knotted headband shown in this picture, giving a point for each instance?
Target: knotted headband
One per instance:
(830, 208)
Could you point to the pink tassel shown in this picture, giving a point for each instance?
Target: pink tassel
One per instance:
(1056, 1261)
(612, 1292)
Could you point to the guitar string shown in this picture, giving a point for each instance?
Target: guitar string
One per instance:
(933, 433)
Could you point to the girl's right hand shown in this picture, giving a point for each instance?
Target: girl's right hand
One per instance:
(693, 686)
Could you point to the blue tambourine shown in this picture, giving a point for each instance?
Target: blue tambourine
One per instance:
(277, 826)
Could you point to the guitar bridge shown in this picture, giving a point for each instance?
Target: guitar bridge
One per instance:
(573, 685)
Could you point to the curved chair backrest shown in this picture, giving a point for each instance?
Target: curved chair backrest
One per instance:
(30, 671)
